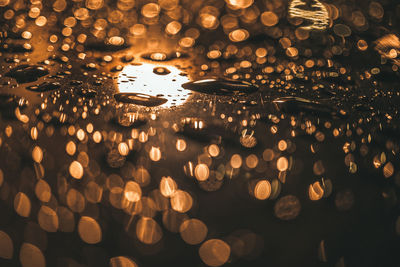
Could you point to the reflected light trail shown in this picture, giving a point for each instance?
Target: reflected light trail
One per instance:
(318, 15)
(156, 80)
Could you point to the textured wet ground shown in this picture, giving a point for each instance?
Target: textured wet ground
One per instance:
(192, 133)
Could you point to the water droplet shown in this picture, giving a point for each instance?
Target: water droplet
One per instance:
(221, 86)
(295, 105)
(15, 48)
(140, 99)
(161, 71)
(44, 87)
(27, 73)
(127, 58)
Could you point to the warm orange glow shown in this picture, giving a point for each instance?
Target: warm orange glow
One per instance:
(319, 16)
(22, 204)
(282, 164)
(262, 190)
(122, 261)
(251, 161)
(237, 4)
(37, 154)
(181, 145)
(6, 246)
(75, 200)
(142, 176)
(181, 201)
(168, 186)
(213, 150)
(123, 149)
(315, 191)
(89, 230)
(70, 148)
(155, 153)
(43, 191)
(201, 172)
(282, 145)
(388, 170)
(148, 231)
(133, 192)
(268, 154)
(269, 18)
(48, 219)
(193, 231)
(30, 255)
(93, 192)
(214, 252)
(76, 170)
(236, 161)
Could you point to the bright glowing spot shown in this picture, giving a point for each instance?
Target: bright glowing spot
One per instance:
(181, 201)
(282, 164)
(213, 150)
(76, 170)
(236, 161)
(133, 192)
(201, 172)
(150, 10)
(262, 190)
(168, 86)
(282, 145)
(123, 149)
(180, 145)
(155, 153)
(70, 148)
(318, 15)
(168, 186)
(37, 154)
(97, 137)
(315, 191)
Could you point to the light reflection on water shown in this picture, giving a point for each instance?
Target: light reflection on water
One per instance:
(144, 79)
(318, 17)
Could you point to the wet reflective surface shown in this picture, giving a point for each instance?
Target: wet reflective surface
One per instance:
(199, 133)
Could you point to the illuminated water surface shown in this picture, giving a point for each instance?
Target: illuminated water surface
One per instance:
(155, 80)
